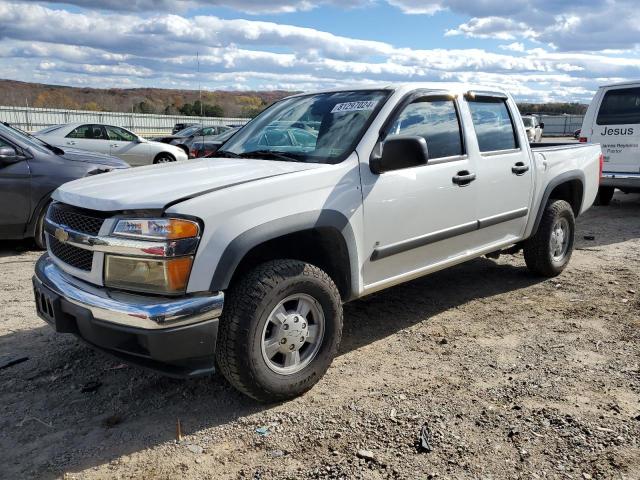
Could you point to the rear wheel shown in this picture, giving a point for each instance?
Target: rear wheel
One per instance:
(280, 330)
(605, 194)
(548, 252)
(164, 158)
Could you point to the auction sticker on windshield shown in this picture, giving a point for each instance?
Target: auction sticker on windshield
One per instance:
(360, 106)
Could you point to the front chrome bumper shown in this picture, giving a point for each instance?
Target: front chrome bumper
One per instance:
(119, 308)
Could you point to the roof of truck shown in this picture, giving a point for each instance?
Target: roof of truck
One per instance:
(621, 84)
(454, 87)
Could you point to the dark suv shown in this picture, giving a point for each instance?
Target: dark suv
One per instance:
(30, 170)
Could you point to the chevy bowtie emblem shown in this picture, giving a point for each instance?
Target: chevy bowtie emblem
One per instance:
(61, 235)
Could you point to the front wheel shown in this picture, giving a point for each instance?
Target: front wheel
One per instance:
(164, 158)
(548, 252)
(39, 236)
(280, 330)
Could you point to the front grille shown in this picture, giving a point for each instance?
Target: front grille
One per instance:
(73, 256)
(77, 219)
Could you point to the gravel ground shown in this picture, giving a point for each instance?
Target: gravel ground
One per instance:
(514, 377)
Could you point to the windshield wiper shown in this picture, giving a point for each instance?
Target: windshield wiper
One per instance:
(226, 154)
(267, 154)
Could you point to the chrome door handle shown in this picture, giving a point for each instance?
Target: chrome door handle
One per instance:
(520, 168)
(464, 178)
(115, 145)
(71, 143)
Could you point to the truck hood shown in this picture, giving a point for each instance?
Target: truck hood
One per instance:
(155, 186)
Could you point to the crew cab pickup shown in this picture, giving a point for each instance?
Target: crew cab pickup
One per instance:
(243, 261)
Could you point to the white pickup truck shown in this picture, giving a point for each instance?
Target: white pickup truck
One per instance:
(244, 261)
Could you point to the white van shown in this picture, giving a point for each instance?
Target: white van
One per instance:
(613, 120)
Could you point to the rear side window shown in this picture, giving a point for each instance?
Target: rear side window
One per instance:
(434, 120)
(620, 107)
(88, 132)
(493, 124)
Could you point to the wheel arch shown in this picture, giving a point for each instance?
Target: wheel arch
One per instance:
(568, 186)
(322, 238)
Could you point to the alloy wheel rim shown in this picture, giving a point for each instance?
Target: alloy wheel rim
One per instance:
(559, 241)
(293, 333)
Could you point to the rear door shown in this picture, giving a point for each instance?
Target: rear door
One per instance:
(617, 129)
(15, 196)
(88, 137)
(505, 177)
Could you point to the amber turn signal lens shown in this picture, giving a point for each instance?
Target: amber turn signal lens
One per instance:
(182, 229)
(178, 271)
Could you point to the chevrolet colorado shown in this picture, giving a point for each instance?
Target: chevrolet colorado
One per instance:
(242, 262)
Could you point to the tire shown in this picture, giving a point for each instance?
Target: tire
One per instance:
(245, 324)
(164, 158)
(605, 194)
(539, 253)
(39, 235)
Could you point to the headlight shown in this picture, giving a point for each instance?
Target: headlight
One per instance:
(166, 274)
(156, 228)
(169, 276)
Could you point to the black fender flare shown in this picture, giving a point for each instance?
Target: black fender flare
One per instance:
(559, 180)
(243, 243)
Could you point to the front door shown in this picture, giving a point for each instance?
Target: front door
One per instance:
(417, 217)
(505, 174)
(15, 196)
(125, 145)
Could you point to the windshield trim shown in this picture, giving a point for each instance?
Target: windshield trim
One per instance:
(387, 93)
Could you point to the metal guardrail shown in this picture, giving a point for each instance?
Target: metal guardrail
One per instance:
(34, 119)
(560, 125)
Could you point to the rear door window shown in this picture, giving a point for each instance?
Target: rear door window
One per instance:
(88, 132)
(493, 124)
(620, 107)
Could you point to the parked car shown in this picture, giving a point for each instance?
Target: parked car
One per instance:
(533, 127)
(209, 147)
(111, 140)
(30, 170)
(196, 133)
(251, 256)
(613, 119)
(181, 126)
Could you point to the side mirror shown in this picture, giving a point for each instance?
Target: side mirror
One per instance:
(398, 153)
(8, 156)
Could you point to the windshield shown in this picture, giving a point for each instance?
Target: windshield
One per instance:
(528, 122)
(323, 127)
(19, 136)
(188, 131)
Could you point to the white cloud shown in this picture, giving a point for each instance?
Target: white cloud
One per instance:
(104, 49)
(513, 47)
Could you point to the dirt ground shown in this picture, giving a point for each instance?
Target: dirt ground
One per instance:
(515, 377)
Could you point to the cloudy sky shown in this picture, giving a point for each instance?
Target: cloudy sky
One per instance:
(540, 49)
